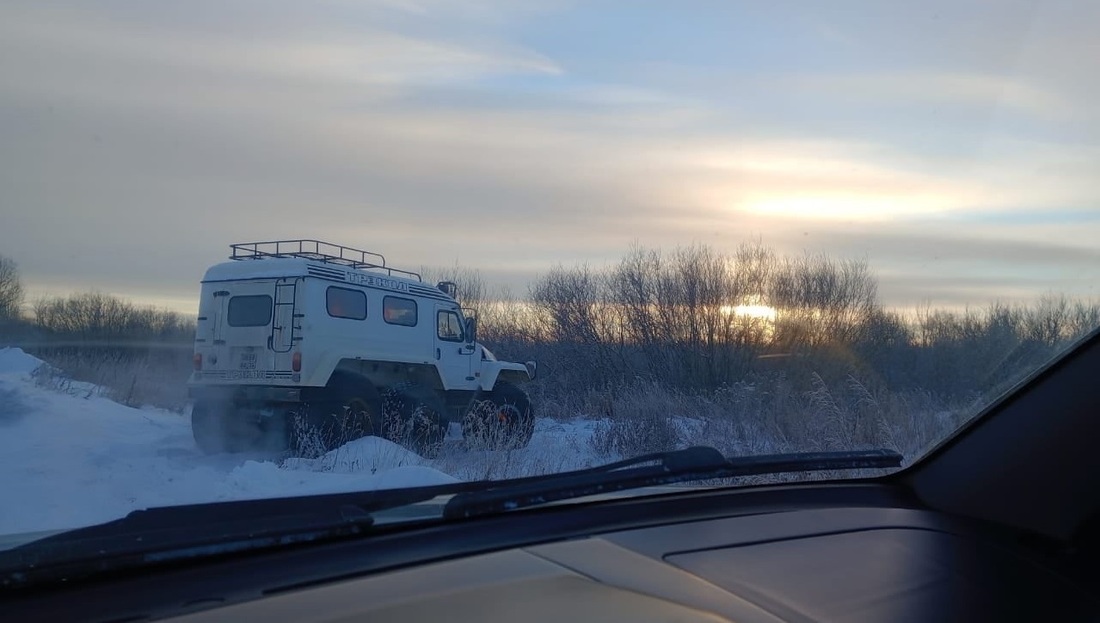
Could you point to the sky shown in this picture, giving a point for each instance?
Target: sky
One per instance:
(953, 145)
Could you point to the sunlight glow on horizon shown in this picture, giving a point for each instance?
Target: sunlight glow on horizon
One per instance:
(855, 206)
(753, 310)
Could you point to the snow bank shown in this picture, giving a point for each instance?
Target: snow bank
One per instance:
(13, 361)
(367, 454)
(69, 460)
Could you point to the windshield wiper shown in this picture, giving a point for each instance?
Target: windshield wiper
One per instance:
(697, 463)
(172, 534)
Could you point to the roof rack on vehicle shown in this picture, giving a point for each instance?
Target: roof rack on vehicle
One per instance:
(317, 250)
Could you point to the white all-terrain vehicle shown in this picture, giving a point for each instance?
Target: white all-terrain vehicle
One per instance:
(311, 344)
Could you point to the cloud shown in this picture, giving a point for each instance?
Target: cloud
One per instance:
(928, 88)
(437, 134)
(908, 292)
(104, 60)
(944, 262)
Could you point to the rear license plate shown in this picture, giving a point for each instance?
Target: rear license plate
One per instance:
(248, 361)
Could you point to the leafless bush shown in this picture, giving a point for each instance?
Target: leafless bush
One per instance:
(639, 419)
(822, 299)
(685, 317)
(410, 424)
(770, 415)
(482, 431)
(306, 439)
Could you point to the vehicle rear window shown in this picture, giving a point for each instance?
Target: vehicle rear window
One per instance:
(250, 311)
(396, 310)
(345, 303)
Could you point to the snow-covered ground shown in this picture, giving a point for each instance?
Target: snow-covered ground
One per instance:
(69, 458)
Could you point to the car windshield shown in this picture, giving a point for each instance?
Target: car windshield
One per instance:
(280, 249)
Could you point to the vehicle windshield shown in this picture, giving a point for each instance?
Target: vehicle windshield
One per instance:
(258, 250)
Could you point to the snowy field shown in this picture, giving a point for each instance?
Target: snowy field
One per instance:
(69, 458)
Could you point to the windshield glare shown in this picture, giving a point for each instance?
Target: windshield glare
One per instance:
(762, 228)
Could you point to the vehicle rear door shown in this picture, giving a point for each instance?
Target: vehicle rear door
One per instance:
(245, 327)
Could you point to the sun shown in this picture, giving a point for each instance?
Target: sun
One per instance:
(820, 207)
(750, 310)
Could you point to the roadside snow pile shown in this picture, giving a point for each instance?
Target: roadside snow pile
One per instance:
(16, 367)
(69, 459)
(376, 463)
(369, 454)
(15, 362)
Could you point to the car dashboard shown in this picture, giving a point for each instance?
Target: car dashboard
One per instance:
(823, 565)
(775, 556)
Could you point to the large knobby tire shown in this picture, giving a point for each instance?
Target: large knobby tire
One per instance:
(413, 416)
(503, 419)
(219, 427)
(349, 408)
(208, 427)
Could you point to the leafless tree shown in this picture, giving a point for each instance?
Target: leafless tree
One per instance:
(11, 289)
(823, 300)
(102, 318)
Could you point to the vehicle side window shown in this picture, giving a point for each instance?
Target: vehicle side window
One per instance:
(249, 311)
(450, 326)
(396, 310)
(345, 303)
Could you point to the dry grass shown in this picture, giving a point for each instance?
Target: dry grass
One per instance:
(133, 377)
(767, 416)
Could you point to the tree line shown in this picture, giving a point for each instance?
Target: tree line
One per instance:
(85, 318)
(697, 319)
(694, 319)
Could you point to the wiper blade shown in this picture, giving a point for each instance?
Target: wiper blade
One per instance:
(176, 533)
(161, 535)
(697, 463)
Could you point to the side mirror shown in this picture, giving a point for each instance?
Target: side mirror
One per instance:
(471, 330)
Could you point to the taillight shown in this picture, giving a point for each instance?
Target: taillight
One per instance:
(296, 362)
(197, 360)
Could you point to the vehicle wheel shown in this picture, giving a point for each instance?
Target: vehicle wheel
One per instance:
(208, 427)
(350, 408)
(219, 427)
(413, 417)
(505, 420)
